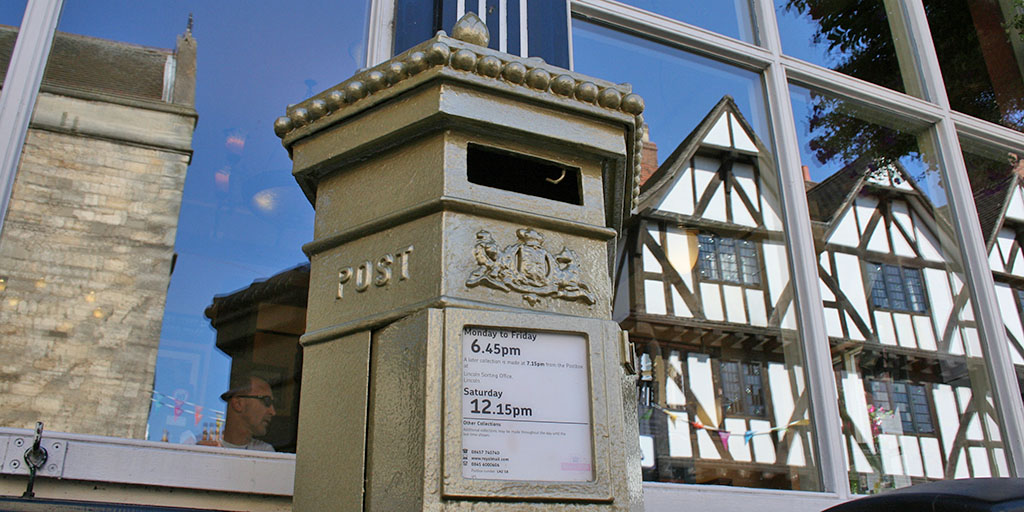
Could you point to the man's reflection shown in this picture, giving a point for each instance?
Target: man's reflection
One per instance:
(249, 411)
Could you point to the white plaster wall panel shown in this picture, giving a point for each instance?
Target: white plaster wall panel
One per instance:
(879, 180)
(1011, 318)
(851, 283)
(719, 134)
(860, 461)
(706, 446)
(770, 208)
(932, 456)
(681, 309)
(995, 258)
(764, 449)
(926, 242)
(947, 415)
(1002, 470)
(679, 435)
(777, 275)
(833, 325)
(682, 253)
(940, 297)
(884, 329)
(956, 344)
(783, 400)
(900, 245)
(963, 399)
(740, 214)
(911, 451)
(1017, 268)
(716, 208)
(903, 183)
(788, 319)
(756, 308)
(735, 310)
(879, 241)
(711, 299)
(925, 333)
(740, 139)
(1016, 209)
(904, 330)
(854, 331)
(650, 262)
(889, 448)
(1004, 242)
(654, 297)
(865, 206)
(674, 396)
(680, 197)
(962, 470)
(701, 384)
(737, 448)
(991, 427)
(972, 342)
(744, 174)
(826, 292)
(901, 214)
(980, 467)
(846, 232)
(647, 451)
(856, 405)
(704, 169)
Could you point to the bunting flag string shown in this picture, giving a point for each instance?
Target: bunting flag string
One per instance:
(180, 407)
(723, 434)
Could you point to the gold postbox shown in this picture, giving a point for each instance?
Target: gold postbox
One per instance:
(459, 347)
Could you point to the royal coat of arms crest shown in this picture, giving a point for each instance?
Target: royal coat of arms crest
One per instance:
(528, 268)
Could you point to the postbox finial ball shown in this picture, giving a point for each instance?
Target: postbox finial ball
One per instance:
(282, 126)
(633, 104)
(300, 117)
(396, 72)
(587, 91)
(538, 79)
(471, 30)
(317, 109)
(464, 60)
(355, 90)
(563, 85)
(514, 72)
(375, 81)
(335, 99)
(438, 53)
(609, 98)
(489, 66)
(416, 62)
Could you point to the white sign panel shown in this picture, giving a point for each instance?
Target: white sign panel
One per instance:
(525, 406)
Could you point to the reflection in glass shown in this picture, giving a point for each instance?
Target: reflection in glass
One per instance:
(704, 291)
(997, 181)
(732, 18)
(915, 400)
(853, 37)
(139, 291)
(980, 47)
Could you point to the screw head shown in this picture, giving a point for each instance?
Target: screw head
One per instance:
(56, 446)
(52, 468)
(19, 442)
(15, 464)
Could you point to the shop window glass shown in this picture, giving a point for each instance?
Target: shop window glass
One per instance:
(980, 46)
(915, 399)
(732, 18)
(703, 281)
(862, 39)
(151, 263)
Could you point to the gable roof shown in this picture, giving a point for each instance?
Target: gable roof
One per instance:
(716, 130)
(993, 188)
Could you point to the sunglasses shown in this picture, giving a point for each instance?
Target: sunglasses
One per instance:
(266, 399)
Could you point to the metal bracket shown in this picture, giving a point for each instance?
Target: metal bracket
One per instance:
(626, 354)
(14, 449)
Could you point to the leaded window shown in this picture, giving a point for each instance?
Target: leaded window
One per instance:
(908, 401)
(729, 260)
(896, 288)
(742, 388)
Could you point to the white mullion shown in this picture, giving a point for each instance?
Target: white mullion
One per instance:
(987, 133)
(821, 385)
(674, 32)
(977, 273)
(380, 32)
(21, 85)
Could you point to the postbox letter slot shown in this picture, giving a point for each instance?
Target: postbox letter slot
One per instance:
(523, 174)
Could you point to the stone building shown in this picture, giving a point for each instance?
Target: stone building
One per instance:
(88, 245)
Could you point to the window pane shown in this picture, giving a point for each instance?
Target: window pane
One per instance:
(728, 403)
(856, 38)
(907, 351)
(148, 268)
(732, 18)
(11, 13)
(981, 51)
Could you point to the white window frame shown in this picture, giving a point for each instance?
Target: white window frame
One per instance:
(932, 115)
